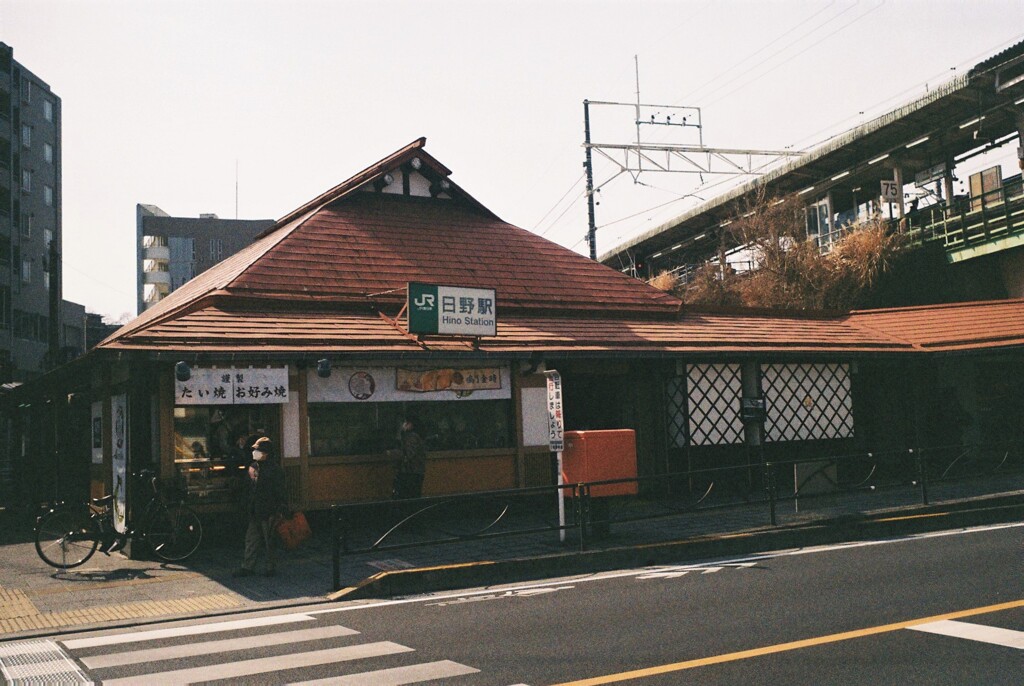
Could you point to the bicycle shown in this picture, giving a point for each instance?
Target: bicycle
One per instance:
(69, 534)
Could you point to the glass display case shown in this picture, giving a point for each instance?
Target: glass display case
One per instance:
(212, 448)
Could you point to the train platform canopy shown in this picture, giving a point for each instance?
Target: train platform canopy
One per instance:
(971, 113)
(330, 278)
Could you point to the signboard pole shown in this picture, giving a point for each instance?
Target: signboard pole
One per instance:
(556, 435)
(561, 501)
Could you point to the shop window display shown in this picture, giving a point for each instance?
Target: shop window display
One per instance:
(212, 445)
(340, 429)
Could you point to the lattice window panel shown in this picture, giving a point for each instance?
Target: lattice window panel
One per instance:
(676, 393)
(807, 401)
(714, 403)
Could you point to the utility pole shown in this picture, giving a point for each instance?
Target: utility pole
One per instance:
(639, 157)
(592, 230)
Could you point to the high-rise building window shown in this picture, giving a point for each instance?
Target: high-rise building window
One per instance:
(26, 270)
(26, 135)
(26, 180)
(48, 196)
(26, 225)
(26, 89)
(47, 237)
(48, 153)
(47, 110)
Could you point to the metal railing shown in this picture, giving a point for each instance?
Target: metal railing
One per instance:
(969, 221)
(683, 503)
(385, 526)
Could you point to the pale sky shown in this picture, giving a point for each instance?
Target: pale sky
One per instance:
(161, 99)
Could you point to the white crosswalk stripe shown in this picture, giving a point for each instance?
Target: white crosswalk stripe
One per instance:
(397, 676)
(212, 647)
(974, 632)
(266, 665)
(135, 657)
(188, 630)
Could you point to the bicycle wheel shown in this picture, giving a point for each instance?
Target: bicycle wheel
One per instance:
(67, 537)
(174, 532)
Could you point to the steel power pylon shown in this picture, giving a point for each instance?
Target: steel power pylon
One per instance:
(638, 157)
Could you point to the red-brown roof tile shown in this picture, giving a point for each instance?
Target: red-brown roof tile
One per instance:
(948, 327)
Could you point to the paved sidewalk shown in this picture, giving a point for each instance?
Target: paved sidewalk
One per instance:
(114, 590)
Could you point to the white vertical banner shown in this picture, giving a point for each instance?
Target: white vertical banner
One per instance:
(556, 439)
(119, 409)
(556, 423)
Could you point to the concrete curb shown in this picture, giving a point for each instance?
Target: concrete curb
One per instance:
(872, 526)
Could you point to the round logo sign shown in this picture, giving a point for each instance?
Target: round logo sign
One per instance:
(361, 385)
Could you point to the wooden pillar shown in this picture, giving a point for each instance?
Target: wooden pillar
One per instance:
(165, 392)
(517, 410)
(302, 384)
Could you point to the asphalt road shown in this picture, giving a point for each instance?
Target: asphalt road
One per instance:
(942, 608)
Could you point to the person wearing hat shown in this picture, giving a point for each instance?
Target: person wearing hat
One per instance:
(267, 500)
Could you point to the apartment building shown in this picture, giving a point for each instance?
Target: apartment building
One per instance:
(38, 329)
(173, 250)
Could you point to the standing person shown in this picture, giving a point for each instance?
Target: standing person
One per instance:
(411, 463)
(267, 500)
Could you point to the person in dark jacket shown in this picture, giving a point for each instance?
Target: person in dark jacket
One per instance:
(266, 503)
(411, 463)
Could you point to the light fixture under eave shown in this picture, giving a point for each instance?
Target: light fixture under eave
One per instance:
(806, 190)
(438, 187)
(182, 372)
(840, 176)
(384, 181)
(917, 142)
(323, 368)
(879, 159)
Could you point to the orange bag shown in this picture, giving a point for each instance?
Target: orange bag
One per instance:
(293, 530)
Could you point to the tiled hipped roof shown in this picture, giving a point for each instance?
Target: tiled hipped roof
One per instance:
(375, 243)
(330, 277)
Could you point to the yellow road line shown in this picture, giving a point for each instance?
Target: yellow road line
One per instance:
(792, 645)
(920, 516)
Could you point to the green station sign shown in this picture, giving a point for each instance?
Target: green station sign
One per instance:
(452, 310)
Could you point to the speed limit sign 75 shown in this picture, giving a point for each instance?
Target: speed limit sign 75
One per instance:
(890, 191)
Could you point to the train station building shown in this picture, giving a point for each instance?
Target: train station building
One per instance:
(310, 335)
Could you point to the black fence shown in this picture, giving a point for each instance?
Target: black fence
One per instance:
(679, 504)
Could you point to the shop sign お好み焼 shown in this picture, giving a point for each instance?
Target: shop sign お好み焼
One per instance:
(251, 386)
(451, 310)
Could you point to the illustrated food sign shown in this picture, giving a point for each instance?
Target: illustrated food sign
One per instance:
(452, 310)
(457, 380)
(408, 384)
(233, 387)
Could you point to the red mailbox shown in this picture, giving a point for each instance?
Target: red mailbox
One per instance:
(601, 456)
